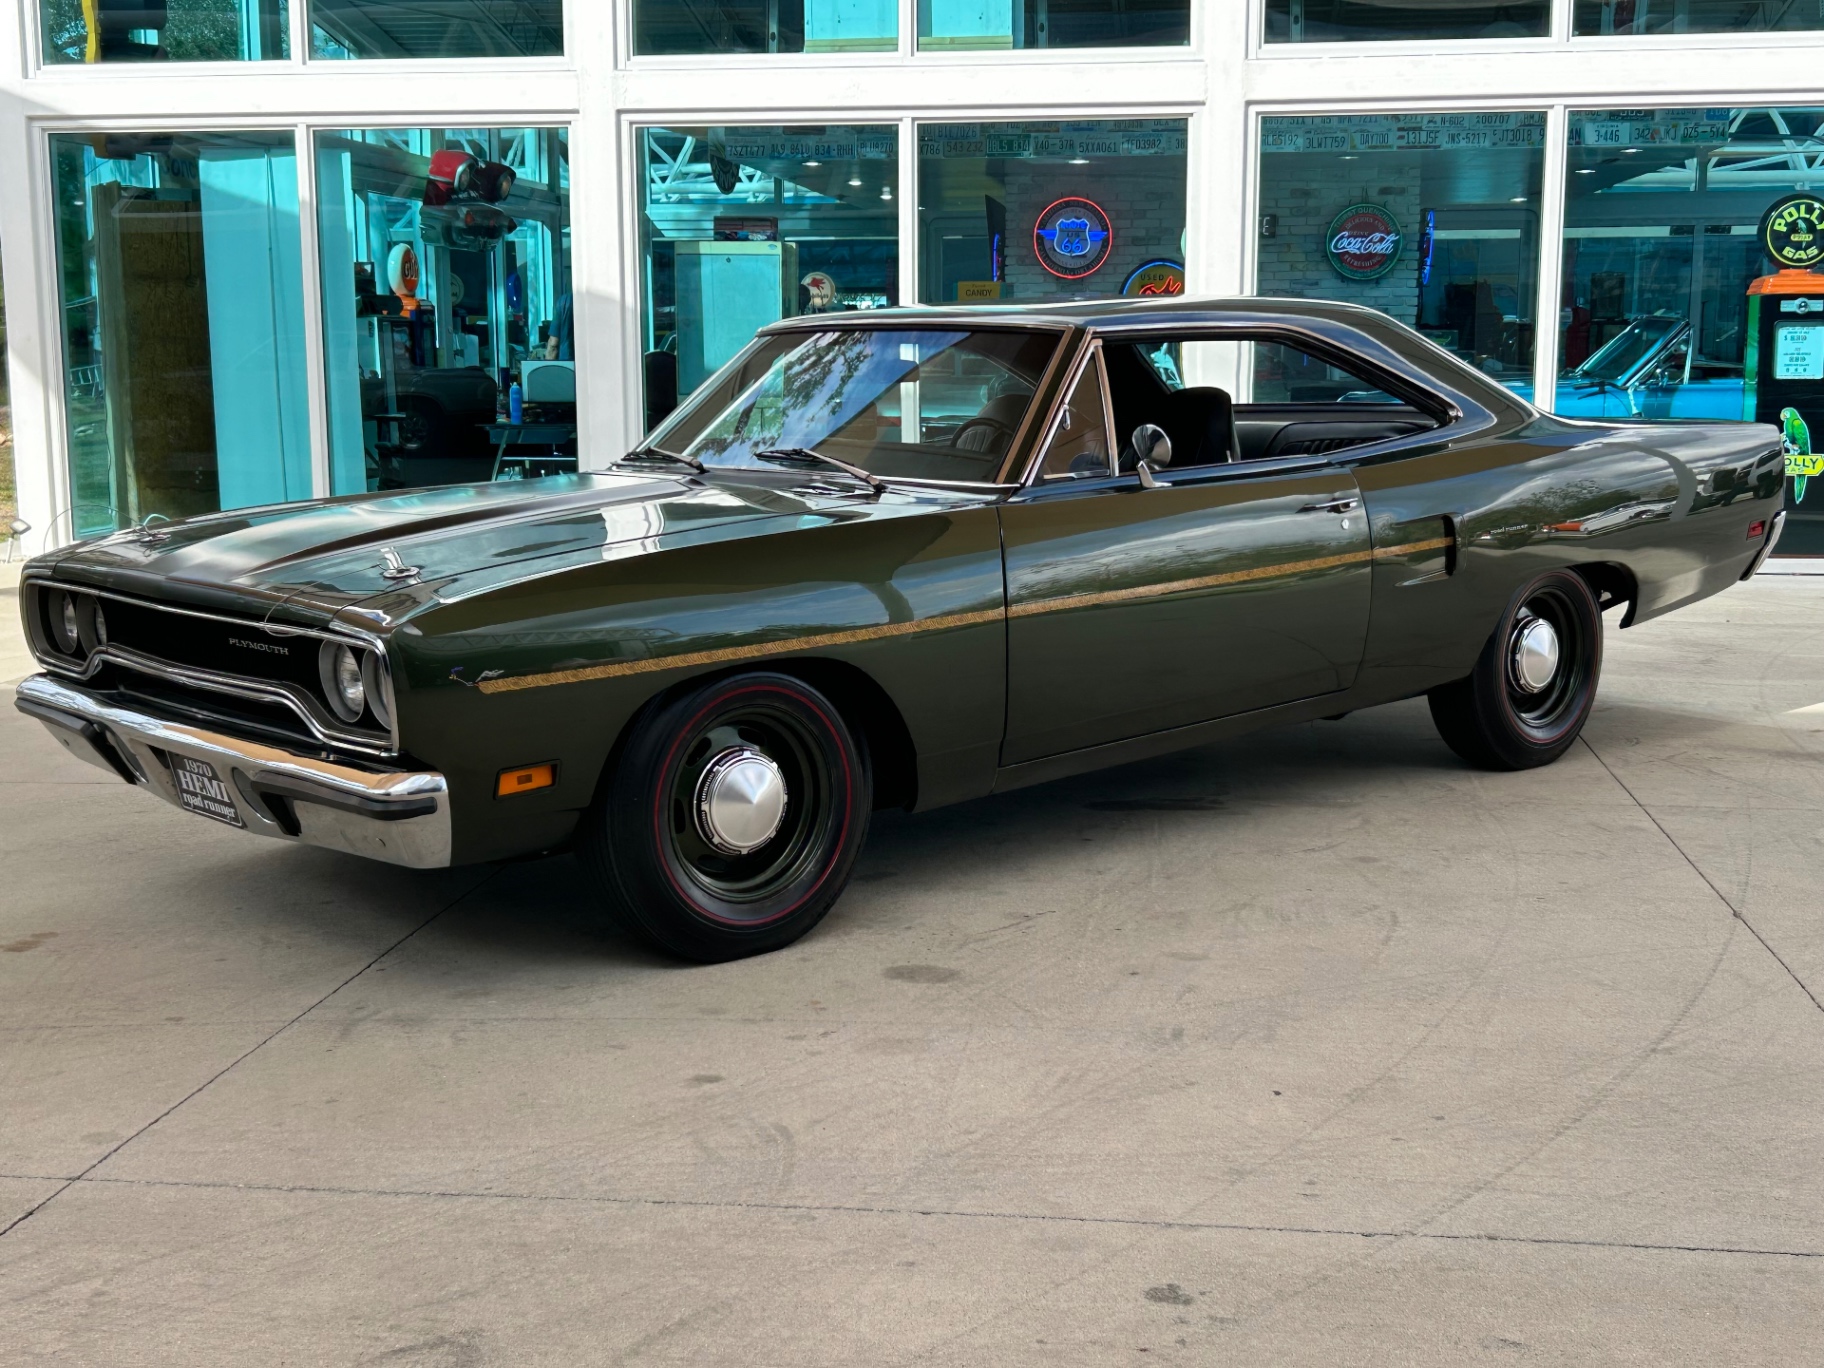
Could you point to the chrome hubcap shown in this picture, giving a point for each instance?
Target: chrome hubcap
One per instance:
(740, 800)
(1533, 661)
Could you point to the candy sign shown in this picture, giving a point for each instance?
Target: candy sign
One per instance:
(1364, 242)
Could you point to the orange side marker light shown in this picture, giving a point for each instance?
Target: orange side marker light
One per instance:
(525, 780)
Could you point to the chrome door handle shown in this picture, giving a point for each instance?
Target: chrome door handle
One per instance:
(1333, 506)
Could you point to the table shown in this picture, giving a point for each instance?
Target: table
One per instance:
(543, 457)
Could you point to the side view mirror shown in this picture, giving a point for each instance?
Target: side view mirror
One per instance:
(1152, 452)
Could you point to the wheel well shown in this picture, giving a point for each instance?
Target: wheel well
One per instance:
(1612, 584)
(868, 709)
(864, 706)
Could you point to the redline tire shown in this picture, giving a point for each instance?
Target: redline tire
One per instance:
(1508, 713)
(667, 866)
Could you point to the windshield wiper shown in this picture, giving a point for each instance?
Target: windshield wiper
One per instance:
(668, 457)
(805, 456)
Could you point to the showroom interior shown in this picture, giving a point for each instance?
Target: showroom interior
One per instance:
(267, 250)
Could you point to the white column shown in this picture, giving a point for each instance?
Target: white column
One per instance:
(1551, 260)
(33, 340)
(1222, 175)
(604, 241)
(907, 193)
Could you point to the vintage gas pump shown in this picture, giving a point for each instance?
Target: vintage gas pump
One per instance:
(1783, 360)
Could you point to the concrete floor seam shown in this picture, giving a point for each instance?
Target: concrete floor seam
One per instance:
(1316, 1047)
(32, 1211)
(938, 1213)
(1734, 911)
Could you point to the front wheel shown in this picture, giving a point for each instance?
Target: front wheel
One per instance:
(1534, 683)
(733, 817)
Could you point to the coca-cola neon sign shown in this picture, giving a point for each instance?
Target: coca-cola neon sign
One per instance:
(1364, 242)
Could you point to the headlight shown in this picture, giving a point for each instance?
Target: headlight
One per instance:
(373, 678)
(91, 626)
(340, 667)
(63, 620)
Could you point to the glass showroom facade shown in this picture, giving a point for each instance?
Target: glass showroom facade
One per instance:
(441, 249)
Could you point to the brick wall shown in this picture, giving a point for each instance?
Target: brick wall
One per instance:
(1292, 262)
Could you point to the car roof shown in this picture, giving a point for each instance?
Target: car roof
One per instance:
(1354, 327)
(1105, 314)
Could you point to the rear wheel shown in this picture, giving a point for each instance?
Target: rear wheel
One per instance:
(1533, 686)
(733, 817)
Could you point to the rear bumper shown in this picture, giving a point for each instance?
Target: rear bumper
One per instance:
(1773, 540)
(401, 817)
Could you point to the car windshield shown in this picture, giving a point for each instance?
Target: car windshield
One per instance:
(1627, 349)
(914, 403)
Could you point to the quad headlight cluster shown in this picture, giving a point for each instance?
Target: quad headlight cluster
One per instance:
(75, 623)
(354, 682)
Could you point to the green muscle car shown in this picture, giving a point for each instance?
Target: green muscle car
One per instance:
(892, 559)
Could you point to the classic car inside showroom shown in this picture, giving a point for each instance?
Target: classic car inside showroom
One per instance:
(931, 681)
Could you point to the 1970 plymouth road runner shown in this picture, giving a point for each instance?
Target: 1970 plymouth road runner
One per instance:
(892, 559)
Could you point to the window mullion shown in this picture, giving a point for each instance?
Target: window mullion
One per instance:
(316, 384)
(909, 244)
(1551, 258)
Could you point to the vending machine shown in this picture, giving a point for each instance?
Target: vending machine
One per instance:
(726, 292)
(1783, 361)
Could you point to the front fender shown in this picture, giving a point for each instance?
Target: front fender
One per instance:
(552, 668)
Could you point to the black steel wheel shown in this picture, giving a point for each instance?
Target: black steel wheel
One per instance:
(1534, 683)
(733, 817)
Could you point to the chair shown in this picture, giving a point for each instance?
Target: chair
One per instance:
(1201, 424)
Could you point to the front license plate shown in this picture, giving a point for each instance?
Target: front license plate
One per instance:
(200, 789)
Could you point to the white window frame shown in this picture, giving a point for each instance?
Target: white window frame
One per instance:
(1222, 83)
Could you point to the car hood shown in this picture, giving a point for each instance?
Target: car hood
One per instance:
(332, 553)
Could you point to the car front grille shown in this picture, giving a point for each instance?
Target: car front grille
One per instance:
(208, 665)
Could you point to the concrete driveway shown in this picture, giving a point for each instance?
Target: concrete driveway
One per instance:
(1313, 1048)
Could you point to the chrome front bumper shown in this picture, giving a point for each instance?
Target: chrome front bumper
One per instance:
(402, 817)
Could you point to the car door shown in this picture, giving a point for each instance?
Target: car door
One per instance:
(1223, 588)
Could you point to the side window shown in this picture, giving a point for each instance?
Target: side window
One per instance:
(1231, 398)
(1079, 445)
(1272, 372)
(1285, 375)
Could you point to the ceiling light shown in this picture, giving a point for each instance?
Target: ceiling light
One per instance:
(854, 180)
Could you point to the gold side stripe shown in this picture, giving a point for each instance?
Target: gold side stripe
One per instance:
(1413, 548)
(1259, 572)
(1185, 586)
(752, 651)
(759, 650)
